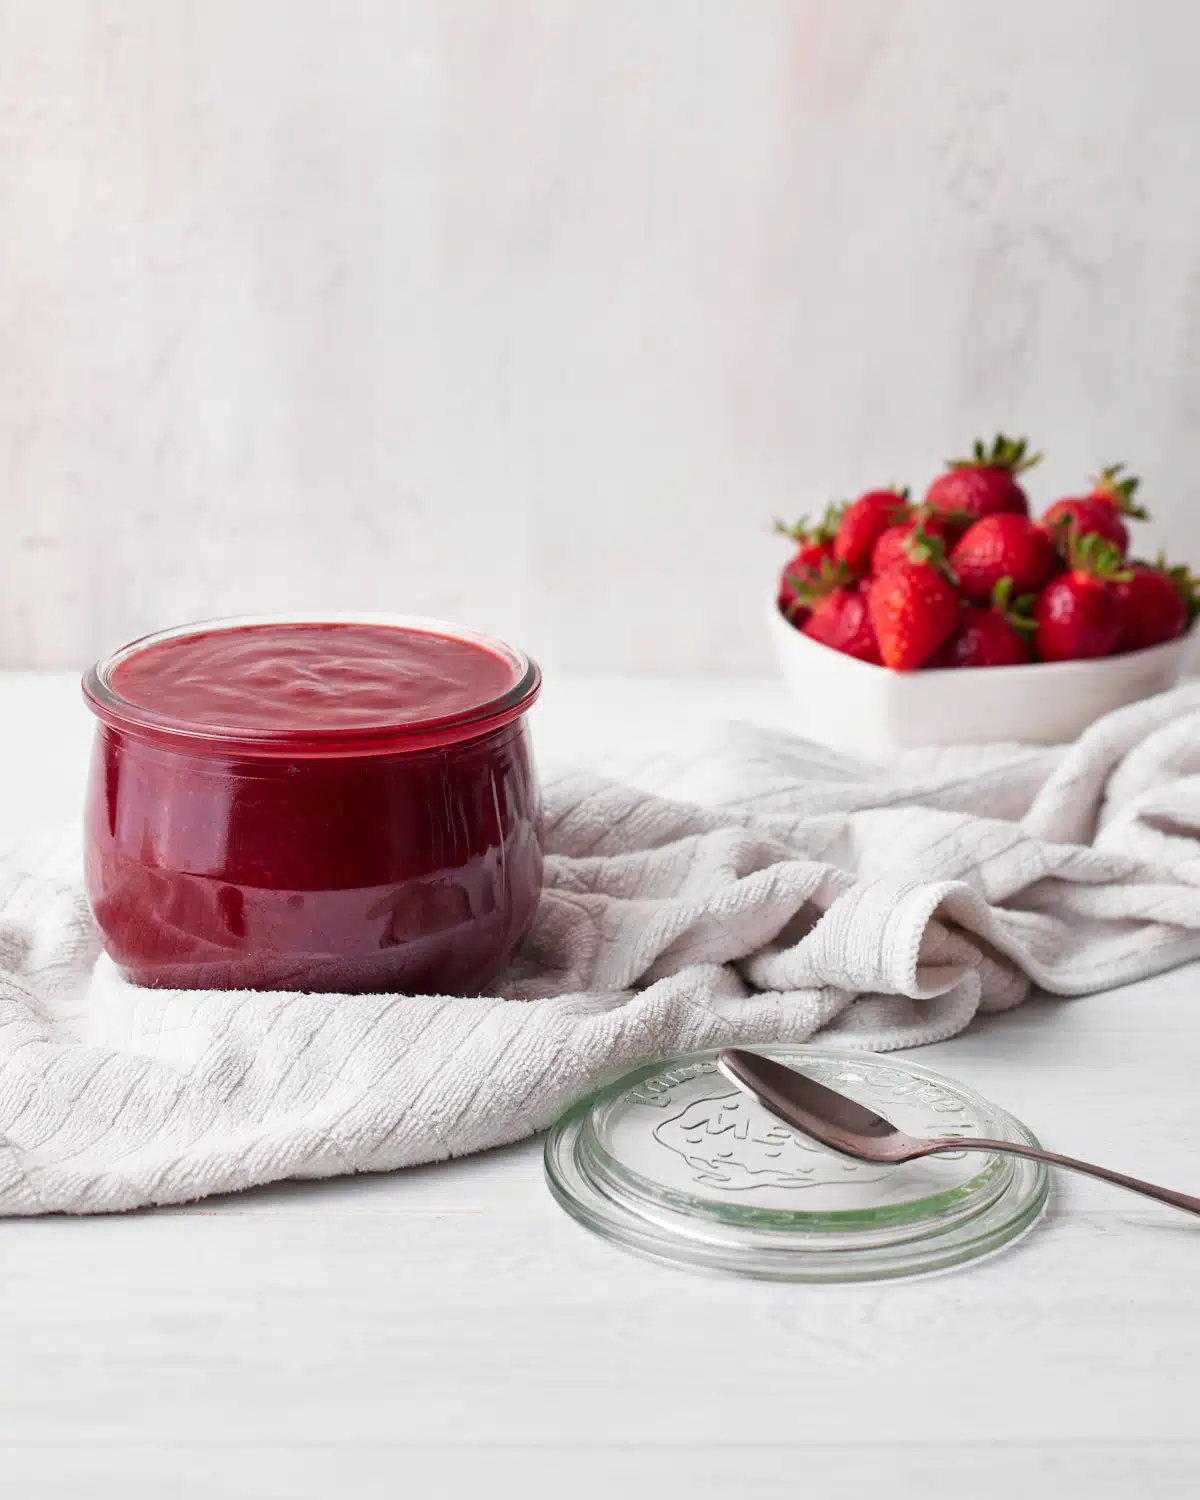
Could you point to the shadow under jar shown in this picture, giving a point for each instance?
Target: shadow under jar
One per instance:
(344, 804)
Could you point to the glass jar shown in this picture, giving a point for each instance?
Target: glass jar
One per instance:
(335, 803)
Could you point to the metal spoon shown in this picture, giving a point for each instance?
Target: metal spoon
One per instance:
(853, 1130)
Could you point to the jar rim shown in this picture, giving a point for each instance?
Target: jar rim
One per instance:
(316, 741)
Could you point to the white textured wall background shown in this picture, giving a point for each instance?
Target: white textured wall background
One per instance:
(531, 314)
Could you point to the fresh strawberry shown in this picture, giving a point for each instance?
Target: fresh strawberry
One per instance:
(999, 546)
(985, 483)
(1078, 614)
(997, 636)
(1082, 515)
(913, 605)
(804, 566)
(1157, 604)
(1100, 510)
(889, 548)
(838, 613)
(814, 549)
(863, 521)
(984, 639)
(840, 620)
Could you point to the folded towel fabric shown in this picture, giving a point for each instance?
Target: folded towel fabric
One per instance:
(753, 889)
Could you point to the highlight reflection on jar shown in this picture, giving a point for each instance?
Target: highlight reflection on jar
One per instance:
(313, 804)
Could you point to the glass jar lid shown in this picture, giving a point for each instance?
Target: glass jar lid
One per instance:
(312, 684)
(674, 1162)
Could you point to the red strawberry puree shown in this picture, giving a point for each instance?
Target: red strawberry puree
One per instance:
(313, 805)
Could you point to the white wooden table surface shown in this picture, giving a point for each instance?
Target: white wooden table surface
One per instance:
(449, 1330)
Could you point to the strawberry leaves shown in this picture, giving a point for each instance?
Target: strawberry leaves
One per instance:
(804, 530)
(1018, 612)
(1120, 492)
(1005, 453)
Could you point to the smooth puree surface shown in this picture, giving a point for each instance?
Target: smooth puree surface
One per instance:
(299, 676)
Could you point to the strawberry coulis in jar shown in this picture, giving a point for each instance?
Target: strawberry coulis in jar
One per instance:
(313, 805)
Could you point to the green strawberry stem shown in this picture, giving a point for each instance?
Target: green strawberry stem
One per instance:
(1018, 612)
(809, 591)
(927, 547)
(1095, 555)
(804, 531)
(1005, 453)
(1120, 491)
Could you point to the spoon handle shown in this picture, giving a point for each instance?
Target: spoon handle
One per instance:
(1185, 1201)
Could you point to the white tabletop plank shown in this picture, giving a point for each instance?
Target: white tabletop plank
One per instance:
(449, 1330)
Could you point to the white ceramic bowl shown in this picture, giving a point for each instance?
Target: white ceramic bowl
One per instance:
(854, 706)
